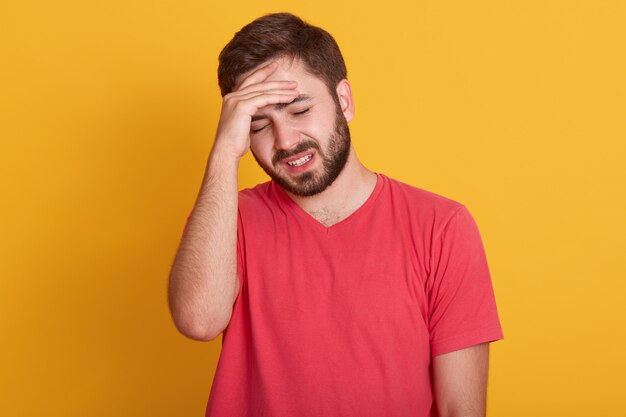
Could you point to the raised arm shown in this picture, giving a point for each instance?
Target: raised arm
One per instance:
(460, 382)
(203, 282)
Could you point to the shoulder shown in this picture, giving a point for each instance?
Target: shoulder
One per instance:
(425, 205)
(259, 199)
(256, 193)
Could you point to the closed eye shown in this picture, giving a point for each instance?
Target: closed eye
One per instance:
(301, 112)
(259, 129)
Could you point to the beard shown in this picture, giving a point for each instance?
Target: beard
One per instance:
(334, 160)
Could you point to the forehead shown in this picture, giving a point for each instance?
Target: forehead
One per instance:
(291, 69)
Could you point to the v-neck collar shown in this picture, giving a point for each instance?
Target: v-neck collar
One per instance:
(284, 199)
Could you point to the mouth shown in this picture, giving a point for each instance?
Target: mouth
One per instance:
(299, 162)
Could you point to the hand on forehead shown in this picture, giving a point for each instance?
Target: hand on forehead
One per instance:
(277, 69)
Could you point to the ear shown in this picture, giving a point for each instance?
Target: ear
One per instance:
(344, 94)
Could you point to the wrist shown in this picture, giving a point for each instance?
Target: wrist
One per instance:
(224, 156)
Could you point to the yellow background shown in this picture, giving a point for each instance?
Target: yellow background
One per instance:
(107, 114)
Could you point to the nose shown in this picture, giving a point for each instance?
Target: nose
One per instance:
(285, 136)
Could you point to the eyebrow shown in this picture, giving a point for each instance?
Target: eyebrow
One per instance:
(282, 106)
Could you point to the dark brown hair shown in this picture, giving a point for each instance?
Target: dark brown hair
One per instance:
(281, 35)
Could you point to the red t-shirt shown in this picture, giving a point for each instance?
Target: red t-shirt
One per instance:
(344, 320)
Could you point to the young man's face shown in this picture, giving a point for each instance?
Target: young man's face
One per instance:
(303, 145)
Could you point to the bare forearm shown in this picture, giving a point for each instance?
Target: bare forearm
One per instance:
(460, 382)
(203, 280)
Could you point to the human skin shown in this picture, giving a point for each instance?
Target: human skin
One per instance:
(303, 146)
(203, 281)
(284, 128)
(460, 382)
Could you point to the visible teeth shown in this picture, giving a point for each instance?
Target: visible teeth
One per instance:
(300, 161)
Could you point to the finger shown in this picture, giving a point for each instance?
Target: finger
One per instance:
(266, 86)
(251, 94)
(261, 100)
(259, 75)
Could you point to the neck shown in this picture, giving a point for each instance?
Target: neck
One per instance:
(343, 197)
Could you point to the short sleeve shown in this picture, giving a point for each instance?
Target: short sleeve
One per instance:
(461, 304)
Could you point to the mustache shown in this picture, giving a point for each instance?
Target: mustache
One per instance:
(300, 147)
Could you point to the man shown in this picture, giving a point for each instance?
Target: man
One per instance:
(340, 291)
